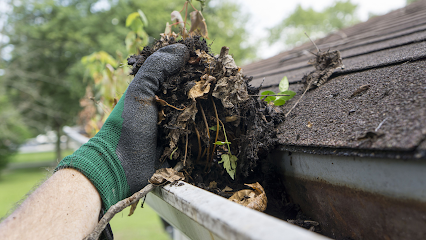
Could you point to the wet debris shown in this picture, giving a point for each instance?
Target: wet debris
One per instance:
(361, 90)
(325, 64)
(207, 102)
(165, 175)
(308, 224)
(254, 199)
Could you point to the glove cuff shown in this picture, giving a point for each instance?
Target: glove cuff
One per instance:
(98, 161)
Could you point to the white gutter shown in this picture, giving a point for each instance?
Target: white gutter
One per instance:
(72, 132)
(200, 215)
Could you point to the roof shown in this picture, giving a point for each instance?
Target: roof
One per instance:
(385, 60)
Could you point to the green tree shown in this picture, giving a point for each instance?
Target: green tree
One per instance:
(316, 24)
(227, 27)
(44, 77)
(410, 1)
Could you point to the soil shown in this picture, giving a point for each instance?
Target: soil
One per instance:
(211, 93)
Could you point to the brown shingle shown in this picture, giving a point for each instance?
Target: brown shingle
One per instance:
(388, 53)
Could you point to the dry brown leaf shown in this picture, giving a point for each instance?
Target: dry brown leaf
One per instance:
(212, 184)
(133, 208)
(254, 199)
(198, 24)
(231, 90)
(194, 60)
(231, 118)
(177, 18)
(199, 89)
(204, 56)
(161, 116)
(166, 175)
(309, 125)
(227, 189)
(188, 113)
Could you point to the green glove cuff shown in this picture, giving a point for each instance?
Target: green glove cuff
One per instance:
(98, 161)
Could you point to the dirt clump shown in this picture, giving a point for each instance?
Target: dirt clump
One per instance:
(210, 101)
(212, 120)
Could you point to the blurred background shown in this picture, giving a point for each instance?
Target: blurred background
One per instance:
(63, 63)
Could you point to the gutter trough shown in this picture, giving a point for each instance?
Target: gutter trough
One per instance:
(199, 214)
(359, 198)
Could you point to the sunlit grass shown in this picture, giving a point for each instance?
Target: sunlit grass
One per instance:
(14, 185)
(37, 157)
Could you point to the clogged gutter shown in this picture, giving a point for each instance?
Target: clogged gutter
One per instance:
(214, 122)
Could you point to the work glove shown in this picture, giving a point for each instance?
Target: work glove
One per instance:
(121, 157)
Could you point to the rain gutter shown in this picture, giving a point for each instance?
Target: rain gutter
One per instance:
(358, 197)
(199, 214)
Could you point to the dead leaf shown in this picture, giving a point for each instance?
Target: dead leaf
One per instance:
(254, 199)
(133, 208)
(232, 118)
(194, 60)
(231, 90)
(177, 18)
(199, 89)
(198, 24)
(164, 175)
(161, 116)
(213, 184)
(309, 125)
(188, 113)
(204, 56)
(227, 189)
(325, 64)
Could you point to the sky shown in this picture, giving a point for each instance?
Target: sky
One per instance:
(268, 13)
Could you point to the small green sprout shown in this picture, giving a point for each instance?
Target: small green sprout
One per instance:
(279, 98)
(229, 161)
(171, 155)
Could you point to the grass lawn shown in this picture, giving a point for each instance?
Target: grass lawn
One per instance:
(14, 185)
(37, 157)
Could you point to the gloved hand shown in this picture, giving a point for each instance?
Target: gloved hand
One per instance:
(121, 157)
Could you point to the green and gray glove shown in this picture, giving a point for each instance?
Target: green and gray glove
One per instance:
(121, 158)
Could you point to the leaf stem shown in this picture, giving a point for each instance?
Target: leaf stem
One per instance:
(226, 139)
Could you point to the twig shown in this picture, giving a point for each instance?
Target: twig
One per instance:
(120, 206)
(186, 150)
(312, 42)
(217, 134)
(380, 125)
(116, 208)
(184, 23)
(163, 102)
(199, 142)
(192, 6)
(226, 139)
(100, 104)
(207, 129)
(183, 7)
(309, 85)
(205, 121)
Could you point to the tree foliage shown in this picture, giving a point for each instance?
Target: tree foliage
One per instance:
(317, 24)
(410, 1)
(45, 79)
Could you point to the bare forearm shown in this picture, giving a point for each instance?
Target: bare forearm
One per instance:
(66, 206)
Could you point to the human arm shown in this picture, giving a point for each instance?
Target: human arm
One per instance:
(66, 206)
(121, 158)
